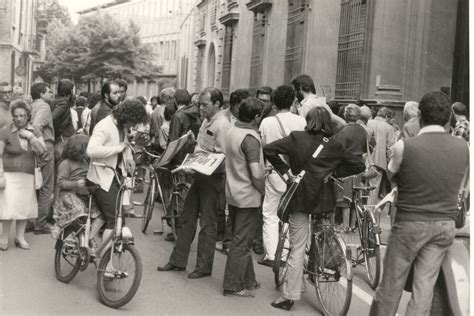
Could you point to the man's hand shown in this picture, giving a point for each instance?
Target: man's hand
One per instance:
(26, 134)
(81, 183)
(122, 146)
(129, 165)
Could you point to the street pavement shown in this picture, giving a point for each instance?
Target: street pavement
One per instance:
(28, 284)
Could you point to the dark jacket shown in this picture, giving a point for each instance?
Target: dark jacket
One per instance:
(62, 120)
(99, 112)
(184, 120)
(312, 195)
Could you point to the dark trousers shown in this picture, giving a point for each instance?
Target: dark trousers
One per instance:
(203, 198)
(239, 273)
(106, 202)
(46, 193)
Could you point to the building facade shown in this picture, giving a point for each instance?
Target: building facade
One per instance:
(381, 51)
(159, 22)
(21, 47)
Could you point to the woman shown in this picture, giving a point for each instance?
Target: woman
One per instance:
(314, 194)
(21, 145)
(353, 138)
(108, 146)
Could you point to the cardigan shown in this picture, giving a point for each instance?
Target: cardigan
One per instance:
(15, 157)
(313, 194)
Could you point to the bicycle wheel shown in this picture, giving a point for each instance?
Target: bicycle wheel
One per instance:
(371, 252)
(67, 259)
(282, 254)
(149, 204)
(117, 282)
(332, 272)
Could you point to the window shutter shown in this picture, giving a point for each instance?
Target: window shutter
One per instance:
(258, 42)
(350, 55)
(295, 38)
(227, 61)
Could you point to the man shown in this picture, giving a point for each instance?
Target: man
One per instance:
(123, 87)
(384, 139)
(110, 98)
(306, 95)
(204, 195)
(244, 189)
(157, 117)
(62, 116)
(412, 121)
(224, 226)
(264, 94)
(428, 170)
(274, 128)
(6, 93)
(461, 129)
(42, 118)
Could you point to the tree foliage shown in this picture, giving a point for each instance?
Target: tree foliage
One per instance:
(98, 47)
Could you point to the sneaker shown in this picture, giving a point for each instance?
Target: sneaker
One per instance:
(241, 293)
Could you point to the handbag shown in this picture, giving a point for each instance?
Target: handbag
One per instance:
(283, 211)
(38, 176)
(463, 200)
(371, 171)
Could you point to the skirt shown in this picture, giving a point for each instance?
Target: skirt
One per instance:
(18, 199)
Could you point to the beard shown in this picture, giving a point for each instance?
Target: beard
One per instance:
(114, 102)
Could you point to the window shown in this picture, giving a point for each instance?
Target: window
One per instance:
(258, 44)
(295, 38)
(199, 65)
(213, 15)
(227, 60)
(350, 55)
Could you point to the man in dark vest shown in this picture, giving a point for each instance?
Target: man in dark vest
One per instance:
(428, 170)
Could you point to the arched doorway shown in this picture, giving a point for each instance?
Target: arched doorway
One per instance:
(211, 66)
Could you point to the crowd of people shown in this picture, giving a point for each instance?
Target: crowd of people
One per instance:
(48, 146)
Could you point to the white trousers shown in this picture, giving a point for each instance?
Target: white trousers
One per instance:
(274, 189)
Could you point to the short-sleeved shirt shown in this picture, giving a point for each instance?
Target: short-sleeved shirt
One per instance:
(42, 117)
(212, 135)
(18, 155)
(461, 130)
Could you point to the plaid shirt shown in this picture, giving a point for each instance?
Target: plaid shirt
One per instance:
(461, 129)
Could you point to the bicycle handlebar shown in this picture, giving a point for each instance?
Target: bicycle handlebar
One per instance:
(389, 198)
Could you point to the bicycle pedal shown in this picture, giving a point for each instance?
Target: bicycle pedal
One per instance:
(138, 203)
(158, 232)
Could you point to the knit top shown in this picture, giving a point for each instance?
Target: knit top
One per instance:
(18, 158)
(430, 177)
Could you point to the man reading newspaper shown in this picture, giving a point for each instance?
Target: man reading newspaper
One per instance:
(205, 192)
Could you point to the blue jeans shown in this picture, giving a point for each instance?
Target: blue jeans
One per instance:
(423, 244)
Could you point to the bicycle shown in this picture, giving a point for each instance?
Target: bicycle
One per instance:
(119, 269)
(368, 253)
(327, 264)
(154, 188)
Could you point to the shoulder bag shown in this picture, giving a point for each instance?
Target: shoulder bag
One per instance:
(371, 171)
(38, 176)
(283, 210)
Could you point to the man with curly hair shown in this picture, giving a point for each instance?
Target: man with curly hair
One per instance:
(108, 145)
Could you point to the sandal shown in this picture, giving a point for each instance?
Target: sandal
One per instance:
(241, 293)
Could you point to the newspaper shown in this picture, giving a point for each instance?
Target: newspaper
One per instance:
(202, 162)
(173, 148)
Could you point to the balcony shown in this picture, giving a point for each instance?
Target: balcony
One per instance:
(32, 44)
(259, 6)
(229, 18)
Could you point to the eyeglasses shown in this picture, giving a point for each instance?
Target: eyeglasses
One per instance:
(6, 92)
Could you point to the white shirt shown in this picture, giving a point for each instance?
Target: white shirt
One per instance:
(271, 131)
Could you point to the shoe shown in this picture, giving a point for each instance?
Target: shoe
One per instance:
(284, 304)
(132, 214)
(20, 245)
(170, 267)
(196, 274)
(42, 231)
(258, 249)
(266, 262)
(255, 286)
(241, 293)
(170, 237)
(4, 246)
